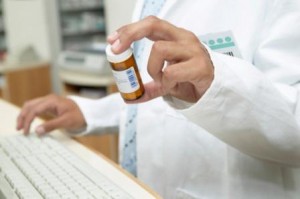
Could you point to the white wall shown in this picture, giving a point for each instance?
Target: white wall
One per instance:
(26, 24)
(118, 13)
(34, 23)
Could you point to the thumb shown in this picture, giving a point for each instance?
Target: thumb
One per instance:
(152, 90)
(49, 126)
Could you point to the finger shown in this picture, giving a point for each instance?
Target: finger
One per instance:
(181, 72)
(198, 73)
(26, 108)
(45, 106)
(152, 91)
(112, 37)
(51, 125)
(193, 70)
(165, 51)
(151, 27)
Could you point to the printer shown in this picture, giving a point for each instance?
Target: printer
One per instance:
(84, 61)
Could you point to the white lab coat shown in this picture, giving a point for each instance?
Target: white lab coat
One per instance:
(251, 148)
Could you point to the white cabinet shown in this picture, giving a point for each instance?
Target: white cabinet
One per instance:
(118, 13)
(27, 25)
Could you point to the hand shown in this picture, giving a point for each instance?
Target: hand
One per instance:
(66, 114)
(189, 71)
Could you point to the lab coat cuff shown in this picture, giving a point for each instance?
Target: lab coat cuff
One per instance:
(102, 116)
(84, 108)
(177, 103)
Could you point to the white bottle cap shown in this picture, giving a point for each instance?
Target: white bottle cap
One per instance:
(117, 58)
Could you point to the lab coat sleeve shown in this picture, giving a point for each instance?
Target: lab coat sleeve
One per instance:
(101, 115)
(255, 108)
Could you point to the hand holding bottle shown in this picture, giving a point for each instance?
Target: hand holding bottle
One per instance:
(189, 71)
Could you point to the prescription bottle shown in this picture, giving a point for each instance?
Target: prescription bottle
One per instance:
(126, 74)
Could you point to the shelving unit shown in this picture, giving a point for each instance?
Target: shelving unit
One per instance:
(82, 23)
(75, 83)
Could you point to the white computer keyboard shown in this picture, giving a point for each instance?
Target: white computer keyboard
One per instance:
(32, 167)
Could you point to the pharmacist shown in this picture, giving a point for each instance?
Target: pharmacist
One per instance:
(218, 126)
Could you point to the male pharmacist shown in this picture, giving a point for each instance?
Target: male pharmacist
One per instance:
(218, 126)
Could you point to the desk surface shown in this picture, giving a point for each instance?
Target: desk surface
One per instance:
(8, 115)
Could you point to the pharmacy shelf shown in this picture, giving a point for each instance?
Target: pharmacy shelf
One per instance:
(83, 33)
(83, 9)
(82, 23)
(84, 79)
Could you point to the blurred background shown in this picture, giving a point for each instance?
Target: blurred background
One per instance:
(67, 34)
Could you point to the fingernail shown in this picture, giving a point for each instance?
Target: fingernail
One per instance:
(40, 130)
(113, 36)
(116, 45)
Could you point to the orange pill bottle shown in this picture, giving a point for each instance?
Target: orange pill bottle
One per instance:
(126, 74)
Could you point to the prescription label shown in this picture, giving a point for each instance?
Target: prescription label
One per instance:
(126, 80)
